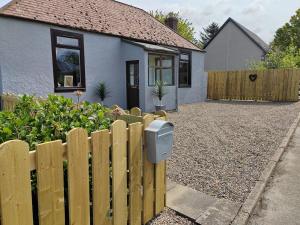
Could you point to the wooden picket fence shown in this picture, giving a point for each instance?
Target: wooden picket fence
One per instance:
(269, 85)
(126, 187)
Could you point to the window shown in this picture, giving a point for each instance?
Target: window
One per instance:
(68, 61)
(161, 67)
(184, 70)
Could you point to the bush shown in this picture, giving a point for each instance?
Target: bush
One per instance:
(46, 120)
(41, 121)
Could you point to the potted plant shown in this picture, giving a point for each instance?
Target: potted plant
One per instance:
(159, 91)
(102, 92)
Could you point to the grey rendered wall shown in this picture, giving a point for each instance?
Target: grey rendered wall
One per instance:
(231, 49)
(132, 52)
(26, 61)
(170, 100)
(198, 91)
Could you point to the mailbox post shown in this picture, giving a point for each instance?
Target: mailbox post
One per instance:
(159, 140)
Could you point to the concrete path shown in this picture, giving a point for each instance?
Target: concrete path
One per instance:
(280, 204)
(200, 207)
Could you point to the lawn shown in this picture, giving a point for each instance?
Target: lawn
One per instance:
(221, 148)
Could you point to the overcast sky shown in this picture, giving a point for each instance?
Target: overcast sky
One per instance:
(263, 17)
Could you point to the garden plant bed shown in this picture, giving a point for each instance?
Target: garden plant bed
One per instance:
(221, 148)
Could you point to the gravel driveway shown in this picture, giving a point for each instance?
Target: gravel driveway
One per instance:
(221, 147)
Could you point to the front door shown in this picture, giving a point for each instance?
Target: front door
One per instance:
(132, 77)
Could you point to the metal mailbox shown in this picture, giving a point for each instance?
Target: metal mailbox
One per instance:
(159, 140)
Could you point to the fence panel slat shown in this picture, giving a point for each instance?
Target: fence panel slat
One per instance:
(78, 177)
(119, 170)
(101, 177)
(15, 187)
(50, 183)
(135, 173)
(136, 111)
(148, 180)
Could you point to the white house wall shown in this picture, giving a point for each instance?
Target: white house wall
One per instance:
(198, 90)
(132, 52)
(231, 49)
(26, 61)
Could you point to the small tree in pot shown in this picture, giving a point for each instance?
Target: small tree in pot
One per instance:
(159, 91)
(102, 92)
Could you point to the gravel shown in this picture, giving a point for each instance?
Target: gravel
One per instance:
(221, 148)
(169, 217)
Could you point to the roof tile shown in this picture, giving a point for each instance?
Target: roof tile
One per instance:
(104, 16)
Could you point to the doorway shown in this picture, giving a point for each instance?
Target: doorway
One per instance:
(132, 84)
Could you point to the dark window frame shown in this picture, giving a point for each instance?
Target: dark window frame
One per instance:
(189, 84)
(60, 33)
(161, 68)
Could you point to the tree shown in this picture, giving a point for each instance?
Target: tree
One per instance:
(209, 32)
(285, 48)
(289, 34)
(185, 27)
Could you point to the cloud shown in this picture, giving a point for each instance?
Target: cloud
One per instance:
(254, 8)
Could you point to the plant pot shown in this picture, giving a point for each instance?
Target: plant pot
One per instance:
(160, 107)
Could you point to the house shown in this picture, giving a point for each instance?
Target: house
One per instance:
(59, 46)
(234, 47)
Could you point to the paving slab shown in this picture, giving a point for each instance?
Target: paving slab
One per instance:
(200, 207)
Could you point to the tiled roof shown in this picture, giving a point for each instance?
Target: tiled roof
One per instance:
(103, 16)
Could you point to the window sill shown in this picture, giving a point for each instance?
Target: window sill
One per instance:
(185, 86)
(60, 90)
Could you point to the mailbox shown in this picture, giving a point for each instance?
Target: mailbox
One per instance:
(159, 140)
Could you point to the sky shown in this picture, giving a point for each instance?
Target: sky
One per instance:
(263, 17)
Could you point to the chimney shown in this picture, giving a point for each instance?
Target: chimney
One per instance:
(172, 22)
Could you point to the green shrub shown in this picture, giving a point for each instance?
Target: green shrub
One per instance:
(46, 120)
(41, 121)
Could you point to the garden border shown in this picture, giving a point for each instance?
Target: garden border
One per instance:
(254, 197)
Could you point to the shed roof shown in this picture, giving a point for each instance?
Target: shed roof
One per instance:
(251, 35)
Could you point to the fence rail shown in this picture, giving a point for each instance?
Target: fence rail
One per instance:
(269, 85)
(126, 187)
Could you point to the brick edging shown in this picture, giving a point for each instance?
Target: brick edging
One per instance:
(255, 195)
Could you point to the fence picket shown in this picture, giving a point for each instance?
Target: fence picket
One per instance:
(78, 177)
(119, 170)
(101, 180)
(135, 173)
(15, 189)
(50, 183)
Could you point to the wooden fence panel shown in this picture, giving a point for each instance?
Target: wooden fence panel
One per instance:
(15, 189)
(50, 183)
(135, 173)
(119, 172)
(126, 187)
(101, 177)
(78, 176)
(270, 85)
